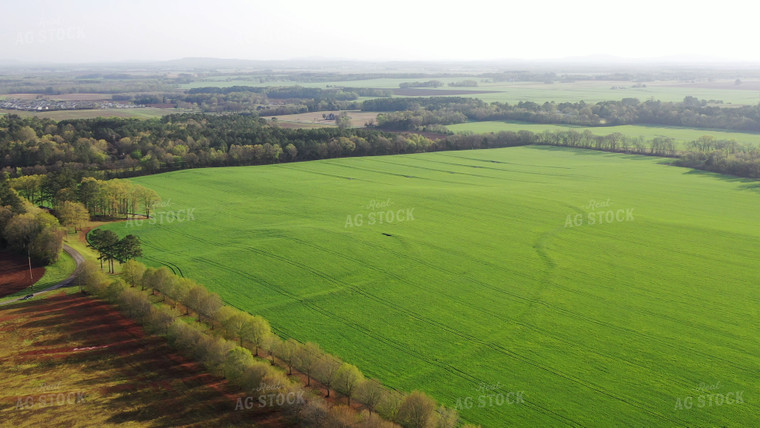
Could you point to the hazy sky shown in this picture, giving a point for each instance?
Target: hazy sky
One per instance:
(109, 30)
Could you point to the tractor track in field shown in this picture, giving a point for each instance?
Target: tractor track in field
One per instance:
(510, 171)
(330, 175)
(515, 320)
(543, 174)
(432, 169)
(172, 266)
(398, 174)
(545, 282)
(509, 163)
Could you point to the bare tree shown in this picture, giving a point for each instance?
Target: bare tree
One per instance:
(347, 379)
(307, 358)
(327, 370)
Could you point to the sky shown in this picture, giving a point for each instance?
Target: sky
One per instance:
(75, 31)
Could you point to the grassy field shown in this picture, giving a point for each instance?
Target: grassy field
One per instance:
(681, 135)
(513, 92)
(315, 120)
(497, 282)
(138, 113)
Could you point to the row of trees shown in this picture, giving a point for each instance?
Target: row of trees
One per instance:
(125, 146)
(691, 112)
(235, 350)
(270, 100)
(188, 141)
(109, 198)
(111, 248)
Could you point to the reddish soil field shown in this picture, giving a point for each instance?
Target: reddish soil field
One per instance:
(127, 377)
(14, 273)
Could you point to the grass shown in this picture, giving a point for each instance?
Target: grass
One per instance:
(137, 113)
(589, 91)
(681, 135)
(54, 274)
(599, 325)
(595, 91)
(315, 120)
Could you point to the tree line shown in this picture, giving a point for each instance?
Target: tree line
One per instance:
(691, 112)
(130, 147)
(27, 229)
(272, 100)
(111, 248)
(242, 348)
(76, 201)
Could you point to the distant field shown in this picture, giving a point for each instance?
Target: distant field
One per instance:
(681, 135)
(139, 113)
(512, 92)
(595, 91)
(384, 83)
(65, 97)
(496, 281)
(315, 120)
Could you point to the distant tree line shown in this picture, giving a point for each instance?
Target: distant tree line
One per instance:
(274, 100)
(425, 84)
(66, 152)
(413, 114)
(243, 349)
(464, 84)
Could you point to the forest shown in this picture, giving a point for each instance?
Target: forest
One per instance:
(417, 114)
(69, 150)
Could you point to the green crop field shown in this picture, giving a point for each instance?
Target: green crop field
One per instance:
(681, 135)
(508, 277)
(136, 113)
